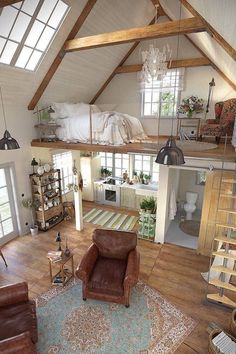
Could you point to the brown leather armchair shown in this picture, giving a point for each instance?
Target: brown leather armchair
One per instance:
(18, 331)
(110, 268)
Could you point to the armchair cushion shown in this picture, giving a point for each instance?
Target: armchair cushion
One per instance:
(108, 276)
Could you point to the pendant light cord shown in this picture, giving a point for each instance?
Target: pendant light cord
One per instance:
(3, 111)
(177, 56)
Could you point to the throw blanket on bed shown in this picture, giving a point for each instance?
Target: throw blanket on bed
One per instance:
(108, 128)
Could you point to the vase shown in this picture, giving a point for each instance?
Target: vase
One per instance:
(189, 114)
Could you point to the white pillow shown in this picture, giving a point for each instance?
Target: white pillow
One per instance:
(62, 110)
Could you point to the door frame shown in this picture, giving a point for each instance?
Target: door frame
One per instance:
(10, 175)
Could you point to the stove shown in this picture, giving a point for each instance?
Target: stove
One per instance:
(111, 191)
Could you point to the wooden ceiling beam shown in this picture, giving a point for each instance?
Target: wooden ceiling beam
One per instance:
(106, 83)
(220, 72)
(4, 3)
(57, 61)
(219, 39)
(158, 30)
(181, 63)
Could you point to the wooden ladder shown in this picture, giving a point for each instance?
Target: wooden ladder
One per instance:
(223, 270)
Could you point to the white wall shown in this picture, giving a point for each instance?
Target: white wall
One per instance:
(187, 183)
(123, 94)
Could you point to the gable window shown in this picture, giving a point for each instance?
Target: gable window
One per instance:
(161, 98)
(63, 161)
(27, 29)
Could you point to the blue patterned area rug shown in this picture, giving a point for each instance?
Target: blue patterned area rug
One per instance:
(67, 324)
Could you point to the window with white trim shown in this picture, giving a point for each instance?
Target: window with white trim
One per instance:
(121, 164)
(147, 165)
(27, 29)
(116, 163)
(64, 162)
(107, 160)
(161, 98)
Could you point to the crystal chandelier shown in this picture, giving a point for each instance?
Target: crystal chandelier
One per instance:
(155, 61)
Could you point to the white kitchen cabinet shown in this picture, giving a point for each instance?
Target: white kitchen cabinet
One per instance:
(98, 192)
(90, 170)
(128, 198)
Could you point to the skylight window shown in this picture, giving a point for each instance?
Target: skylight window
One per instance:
(27, 29)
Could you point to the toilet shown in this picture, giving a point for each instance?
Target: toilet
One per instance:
(190, 206)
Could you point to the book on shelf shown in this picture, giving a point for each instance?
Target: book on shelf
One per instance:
(54, 256)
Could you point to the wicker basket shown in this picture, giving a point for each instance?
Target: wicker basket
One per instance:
(233, 323)
(211, 348)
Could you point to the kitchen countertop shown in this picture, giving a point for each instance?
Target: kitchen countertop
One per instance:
(136, 186)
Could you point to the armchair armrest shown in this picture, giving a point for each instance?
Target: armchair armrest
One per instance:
(13, 294)
(212, 121)
(87, 263)
(18, 344)
(132, 270)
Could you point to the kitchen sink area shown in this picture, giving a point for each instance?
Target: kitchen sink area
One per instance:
(114, 191)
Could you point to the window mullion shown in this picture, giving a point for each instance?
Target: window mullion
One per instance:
(22, 42)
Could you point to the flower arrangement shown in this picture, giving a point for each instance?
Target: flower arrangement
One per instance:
(190, 105)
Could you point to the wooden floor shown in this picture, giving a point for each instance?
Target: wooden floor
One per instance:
(174, 271)
(143, 148)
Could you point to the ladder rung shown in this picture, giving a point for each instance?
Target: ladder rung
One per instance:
(224, 255)
(221, 299)
(227, 226)
(222, 269)
(225, 239)
(222, 284)
(229, 180)
(231, 211)
(231, 195)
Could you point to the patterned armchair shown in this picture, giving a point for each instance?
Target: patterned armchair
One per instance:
(225, 113)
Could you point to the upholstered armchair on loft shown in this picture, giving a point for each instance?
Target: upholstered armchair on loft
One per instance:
(18, 322)
(110, 268)
(223, 123)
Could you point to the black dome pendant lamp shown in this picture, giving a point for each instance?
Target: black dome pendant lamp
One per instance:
(7, 142)
(170, 154)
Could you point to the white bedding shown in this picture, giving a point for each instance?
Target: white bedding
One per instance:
(108, 128)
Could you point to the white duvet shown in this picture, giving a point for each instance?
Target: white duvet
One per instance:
(108, 128)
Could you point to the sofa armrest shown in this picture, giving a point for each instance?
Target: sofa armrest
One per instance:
(132, 270)
(19, 344)
(13, 294)
(87, 263)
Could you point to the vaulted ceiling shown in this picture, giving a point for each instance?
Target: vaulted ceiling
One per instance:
(82, 75)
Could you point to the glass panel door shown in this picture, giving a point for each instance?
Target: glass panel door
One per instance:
(8, 225)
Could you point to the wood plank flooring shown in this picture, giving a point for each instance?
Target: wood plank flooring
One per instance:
(174, 271)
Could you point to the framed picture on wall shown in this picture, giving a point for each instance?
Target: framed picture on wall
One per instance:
(201, 178)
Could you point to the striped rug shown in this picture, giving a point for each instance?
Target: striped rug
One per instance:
(110, 219)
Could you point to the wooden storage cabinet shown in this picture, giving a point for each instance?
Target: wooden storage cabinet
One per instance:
(46, 193)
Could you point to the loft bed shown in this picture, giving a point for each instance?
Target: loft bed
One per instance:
(84, 123)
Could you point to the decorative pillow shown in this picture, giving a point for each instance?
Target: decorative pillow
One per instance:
(62, 110)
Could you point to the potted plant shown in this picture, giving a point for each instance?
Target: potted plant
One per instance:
(105, 172)
(147, 179)
(30, 204)
(190, 105)
(149, 205)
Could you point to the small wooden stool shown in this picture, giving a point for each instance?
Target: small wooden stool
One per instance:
(68, 210)
(1, 254)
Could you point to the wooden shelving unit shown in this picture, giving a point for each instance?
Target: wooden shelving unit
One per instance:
(46, 192)
(223, 235)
